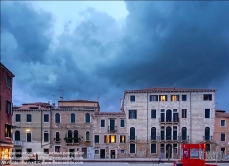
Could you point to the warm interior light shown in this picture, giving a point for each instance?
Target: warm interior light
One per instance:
(28, 130)
(123, 139)
(112, 139)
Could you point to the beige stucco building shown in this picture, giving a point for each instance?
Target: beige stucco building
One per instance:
(160, 119)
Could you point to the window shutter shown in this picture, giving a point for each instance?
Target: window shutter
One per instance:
(115, 138)
(135, 114)
(124, 139)
(6, 107)
(104, 138)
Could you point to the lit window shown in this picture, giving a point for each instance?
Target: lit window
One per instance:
(175, 98)
(113, 139)
(163, 98)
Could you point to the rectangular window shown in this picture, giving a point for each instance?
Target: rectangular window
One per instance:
(122, 139)
(162, 135)
(8, 81)
(17, 117)
(132, 148)
(46, 151)
(207, 113)
(184, 113)
(46, 117)
(96, 138)
(109, 138)
(153, 148)
(132, 114)
(96, 151)
(29, 137)
(8, 107)
(163, 97)
(102, 122)
(184, 97)
(122, 123)
(223, 137)
(207, 97)
(153, 98)
(132, 98)
(28, 118)
(175, 117)
(122, 151)
(8, 130)
(29, 151)
(46, 137)
(153, 114)
(174, 97)
(222, 123)
(57, 149)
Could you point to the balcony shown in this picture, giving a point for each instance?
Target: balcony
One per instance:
(18, 143)
(72, 141)
(112, 128)
(57, 140)
(169, 121)
(207, 138)
(132, 138)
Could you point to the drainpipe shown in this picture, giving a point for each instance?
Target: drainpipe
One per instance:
(190, 141)
(147, 125)
(51, 140)
(41, 126)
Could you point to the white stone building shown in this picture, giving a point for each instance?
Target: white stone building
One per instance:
(160, 119)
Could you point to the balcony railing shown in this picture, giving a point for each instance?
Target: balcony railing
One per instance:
(57, 140)
(72, 140)
(164, 120)
(132, 138)
(207, 138)
(112, 128)
(17, 143)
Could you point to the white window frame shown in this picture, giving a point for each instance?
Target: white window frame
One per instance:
(71, 118)
(15, 117)
(134, 98)
(134, 148)
(55, 117)
(55, 148)
(156, 148)
(221, 137)
(31, 118)
(224, 122)
(44, 118)
(44, 135)
(101, 123)
(31, 136)
(124, 123)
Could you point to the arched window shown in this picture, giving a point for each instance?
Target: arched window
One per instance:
(207, 133)
(153, 133)
(184, 134)
(73, 118)
(17, 136)
(168, 133)
(76, 137)
(87, 136)
(168, 116)
(87, 118)
(132, 133)
(57, 118)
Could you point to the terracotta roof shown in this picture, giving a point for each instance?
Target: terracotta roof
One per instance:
(160, 89)
(218, 110)
(29, 106)
(222, 114)
(4, 67)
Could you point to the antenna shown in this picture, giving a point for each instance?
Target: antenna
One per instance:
(98, 97)
(61, 92)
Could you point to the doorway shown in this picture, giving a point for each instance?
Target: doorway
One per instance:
(71, 153)
(112, 154)
(84, 151)
(169, 151)
(18, 153)
(102, 153)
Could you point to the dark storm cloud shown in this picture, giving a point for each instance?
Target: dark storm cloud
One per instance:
(172, 44)
(30, 29)
(180, 44)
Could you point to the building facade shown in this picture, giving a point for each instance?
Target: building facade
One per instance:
(6, 82)
(110, 135)
(159, 120)
(221, 133)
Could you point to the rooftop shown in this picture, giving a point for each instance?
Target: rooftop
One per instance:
(161, 89)
(4, 67)
(222, 114)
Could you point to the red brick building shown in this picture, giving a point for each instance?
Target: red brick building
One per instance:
(6, 145)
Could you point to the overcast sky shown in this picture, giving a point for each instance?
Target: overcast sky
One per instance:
(102, 48)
